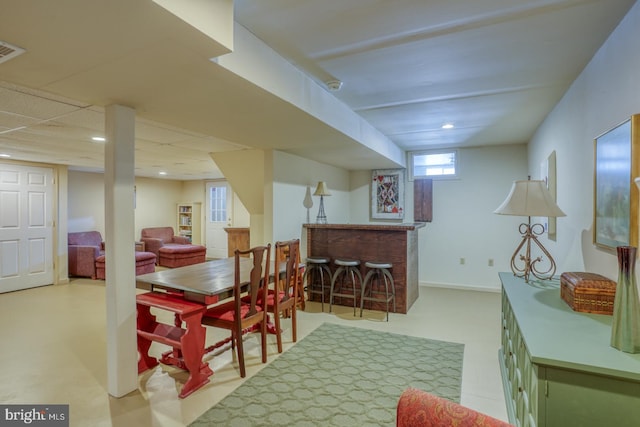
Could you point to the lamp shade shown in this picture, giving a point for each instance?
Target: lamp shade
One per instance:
(529, 198)
(321, 189)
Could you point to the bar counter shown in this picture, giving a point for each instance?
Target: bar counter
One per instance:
(393, 243)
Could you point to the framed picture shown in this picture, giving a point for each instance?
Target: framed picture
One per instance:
(616, 198)
(548, 173)
(387, 194)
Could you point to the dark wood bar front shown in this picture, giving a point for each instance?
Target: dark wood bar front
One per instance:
(395, 244)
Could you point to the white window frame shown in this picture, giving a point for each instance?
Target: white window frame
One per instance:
(413, 154)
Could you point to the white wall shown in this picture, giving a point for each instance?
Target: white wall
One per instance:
(291, 177)
(464, 225)
(156, 201)
(85, 202)
(605, 94)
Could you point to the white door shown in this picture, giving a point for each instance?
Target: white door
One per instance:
(218, 216)
(26, 228)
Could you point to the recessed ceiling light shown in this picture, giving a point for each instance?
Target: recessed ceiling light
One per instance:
(99, 138)
(5, 155)
(447, 126)
(162, 173)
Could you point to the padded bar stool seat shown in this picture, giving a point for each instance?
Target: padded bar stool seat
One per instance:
(317, 265)
(378, 271)
(346, 268)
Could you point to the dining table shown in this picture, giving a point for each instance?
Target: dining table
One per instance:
(187, 292)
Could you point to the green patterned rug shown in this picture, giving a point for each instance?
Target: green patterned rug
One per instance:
(341, 376)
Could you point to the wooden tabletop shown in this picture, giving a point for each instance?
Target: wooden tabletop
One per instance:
(200, 281)
(207, 279)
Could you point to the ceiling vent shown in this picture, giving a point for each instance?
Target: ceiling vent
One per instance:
(8, 51)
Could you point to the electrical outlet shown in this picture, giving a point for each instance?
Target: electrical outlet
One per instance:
(490, 262)
(462, 261)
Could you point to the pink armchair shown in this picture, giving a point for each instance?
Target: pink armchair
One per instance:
(84, 248)
(156, 237)
(171, 250)
(417, 408)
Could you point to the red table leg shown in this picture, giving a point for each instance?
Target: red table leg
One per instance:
(192, 352)
(144, 320)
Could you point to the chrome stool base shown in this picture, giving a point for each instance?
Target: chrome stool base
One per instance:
(378, 270)
(348, 268)
(319, 265)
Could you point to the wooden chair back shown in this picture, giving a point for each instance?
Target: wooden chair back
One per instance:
(260, 257)
(247, 309)
(287, 259)
(283, 298)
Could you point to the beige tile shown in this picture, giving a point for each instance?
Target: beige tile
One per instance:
(54, 351)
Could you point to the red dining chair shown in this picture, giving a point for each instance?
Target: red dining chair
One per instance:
(240, 314)
(283, 299)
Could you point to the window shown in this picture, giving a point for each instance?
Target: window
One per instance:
(218, 207)
(433, 164)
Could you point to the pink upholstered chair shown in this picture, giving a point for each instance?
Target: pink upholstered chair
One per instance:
(171, 250)
(87, 257)
(84, 247)
(417, 408)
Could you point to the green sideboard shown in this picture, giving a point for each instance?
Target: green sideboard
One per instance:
(558, 369)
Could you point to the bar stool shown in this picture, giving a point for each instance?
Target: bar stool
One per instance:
(320, 266)
(378, 270)
(346, 268)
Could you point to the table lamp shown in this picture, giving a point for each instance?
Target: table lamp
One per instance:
(530, 198)
(321, 190)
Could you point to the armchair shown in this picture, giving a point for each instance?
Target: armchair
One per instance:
(417, 408)
(84, 247)
(171, 250)
(156, 237)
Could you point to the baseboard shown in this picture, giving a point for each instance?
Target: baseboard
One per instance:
(461, 287)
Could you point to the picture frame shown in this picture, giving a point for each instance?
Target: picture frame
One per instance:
(387, 193)
(615, 202)
(548, 174)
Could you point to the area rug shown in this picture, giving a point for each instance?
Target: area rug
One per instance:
(341, 376)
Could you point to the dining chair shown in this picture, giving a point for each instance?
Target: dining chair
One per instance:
(301, 269)
(246, 310)
(283, 298)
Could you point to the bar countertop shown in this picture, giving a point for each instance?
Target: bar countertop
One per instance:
(393, 227)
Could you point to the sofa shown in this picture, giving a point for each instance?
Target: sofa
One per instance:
(418, 408)
(171, 250)
(87, 257)
(83, 248)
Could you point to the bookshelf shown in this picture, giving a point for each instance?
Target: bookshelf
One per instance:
(189, 221)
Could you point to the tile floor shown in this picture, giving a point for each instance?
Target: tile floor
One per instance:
(54, 351)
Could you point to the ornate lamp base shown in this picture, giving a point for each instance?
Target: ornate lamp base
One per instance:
(528, 266)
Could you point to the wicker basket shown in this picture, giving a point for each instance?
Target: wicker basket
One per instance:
(588, 292)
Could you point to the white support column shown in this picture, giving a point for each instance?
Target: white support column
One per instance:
(119, 180)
